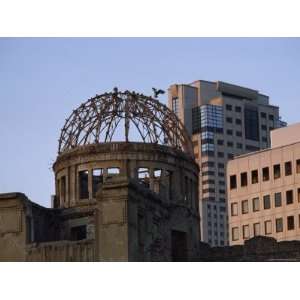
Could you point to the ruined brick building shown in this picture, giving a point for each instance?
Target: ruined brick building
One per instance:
(126, 189)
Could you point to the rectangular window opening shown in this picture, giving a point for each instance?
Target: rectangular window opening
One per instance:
(266, 174)
(113, 171)
(276, 170)
(234, 209)
(268, 227)
(83, 184)
(63, 188)
(245, 207)
(298, 166)
(267, 202)
(256, 229)
(144, 176)
(254, 174)
(233, 183)
(97, 180)
(244, 179)
(246, 232)
(255, 203)
(288, 168)
(279, 225)
(78, 233)
(289, 197)
(290, 223)
(277, 198)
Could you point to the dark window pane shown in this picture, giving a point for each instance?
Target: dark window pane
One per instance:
(254, 175)
(276, 169)
(233, 182)
(277, 198)
(298, 166)
(290, 223)
(251, 123)
(266, 175)
(255, 204)
(78, 233)
(244, 179)
(288, 168)
(83, 185)
(279, 225)
(228, 107)
(289, 197)
(97, 180)
(267, 202)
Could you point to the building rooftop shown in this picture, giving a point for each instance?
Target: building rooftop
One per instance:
(280, 138)
(285, 136)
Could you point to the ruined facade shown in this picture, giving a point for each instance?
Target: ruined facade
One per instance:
(126, 189)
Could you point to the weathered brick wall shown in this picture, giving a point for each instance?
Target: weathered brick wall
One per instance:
(256, 249)
(61, 251)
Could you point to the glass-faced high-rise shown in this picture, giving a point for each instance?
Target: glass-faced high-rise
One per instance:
(224, 120)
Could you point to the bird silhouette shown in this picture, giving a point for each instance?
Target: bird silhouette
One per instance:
(157, 92)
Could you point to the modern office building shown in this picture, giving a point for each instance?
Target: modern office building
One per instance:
(264, 190)
(224, 120)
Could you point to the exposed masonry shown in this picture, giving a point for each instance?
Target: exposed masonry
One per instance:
(114, 201)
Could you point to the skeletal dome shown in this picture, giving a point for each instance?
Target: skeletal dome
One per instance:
(123, 116)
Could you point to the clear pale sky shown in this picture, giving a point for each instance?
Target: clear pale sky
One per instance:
(43, 80)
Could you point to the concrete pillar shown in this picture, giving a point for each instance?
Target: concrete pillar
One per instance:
(112, 231)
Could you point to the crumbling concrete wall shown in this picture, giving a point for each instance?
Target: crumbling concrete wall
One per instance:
(135, 224)
(61, 251)
(257, 249)
(12, 227)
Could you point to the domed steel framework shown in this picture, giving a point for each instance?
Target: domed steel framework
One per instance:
(144, 119)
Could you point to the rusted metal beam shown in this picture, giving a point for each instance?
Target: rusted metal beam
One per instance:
(98, 121)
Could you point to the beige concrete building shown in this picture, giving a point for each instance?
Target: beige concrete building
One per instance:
(264, 190)
(126, 189)
(223, 120)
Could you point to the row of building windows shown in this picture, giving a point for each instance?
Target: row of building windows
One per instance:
(264, 127)
(214, 207)
(288, 170)
(209, 215)
(230, 144)
(267, 228)
(215, 224)
(212, 181)
(212, 164)
(143, 174)
(211, 153)
(213, 199)
(212, 190)
(237, 133)
(239, 109)
(83, 176)
(237, 121)
(289, 199)
(212, 173)
(222, 243)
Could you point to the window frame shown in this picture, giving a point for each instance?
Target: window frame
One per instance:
(269, 201)
(288, 168)
(253, 205)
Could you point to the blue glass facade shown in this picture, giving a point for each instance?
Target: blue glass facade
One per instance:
(207, 117)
